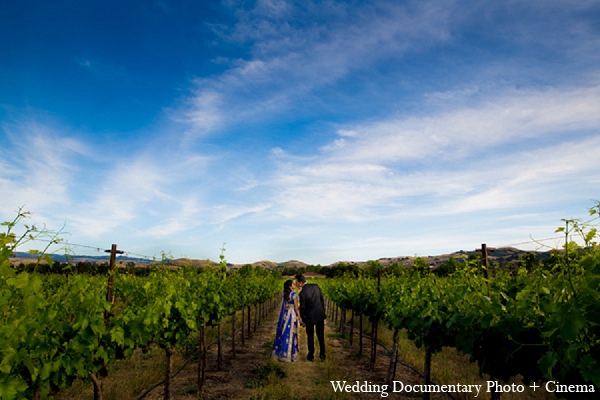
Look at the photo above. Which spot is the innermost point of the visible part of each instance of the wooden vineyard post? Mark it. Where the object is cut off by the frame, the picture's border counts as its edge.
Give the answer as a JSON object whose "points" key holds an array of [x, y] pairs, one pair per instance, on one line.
{"points": [[427, 372], [335, 308], [484, 254], [242, 330], [219, 347], [484, 263], [375, 327], [360, 337], [97, 377], [332, 308], [201, 359], [168, 373], [255, 316], [249, 323], [111, 278], [394, 359], [374, 330], [351, 327], [233, 335]]}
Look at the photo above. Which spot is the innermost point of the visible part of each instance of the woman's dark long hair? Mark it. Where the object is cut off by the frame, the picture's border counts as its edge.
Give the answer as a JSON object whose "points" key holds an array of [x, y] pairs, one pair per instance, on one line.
{"points": [[287, 289]]}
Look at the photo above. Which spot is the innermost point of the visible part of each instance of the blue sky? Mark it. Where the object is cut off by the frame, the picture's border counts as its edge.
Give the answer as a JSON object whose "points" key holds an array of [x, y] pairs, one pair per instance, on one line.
{"points": [[314, 131]]}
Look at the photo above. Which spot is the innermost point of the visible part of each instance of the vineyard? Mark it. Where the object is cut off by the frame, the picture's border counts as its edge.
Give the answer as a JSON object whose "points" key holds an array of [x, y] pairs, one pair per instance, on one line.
{"points": [[541, 323], [59, 328], [541, 326], [55, 331]]}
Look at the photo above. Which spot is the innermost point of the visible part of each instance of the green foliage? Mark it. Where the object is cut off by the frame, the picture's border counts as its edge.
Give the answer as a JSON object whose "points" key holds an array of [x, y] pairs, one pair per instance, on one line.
{"points": [[536, 323], [448, 267], [341, 269], [55, 329], [372, 269], [529, 262], [420, 266]]}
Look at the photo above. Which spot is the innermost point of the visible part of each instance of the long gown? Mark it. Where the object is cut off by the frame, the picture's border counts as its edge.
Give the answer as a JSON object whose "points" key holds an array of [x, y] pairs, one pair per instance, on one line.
{"points": [[285, 347]]}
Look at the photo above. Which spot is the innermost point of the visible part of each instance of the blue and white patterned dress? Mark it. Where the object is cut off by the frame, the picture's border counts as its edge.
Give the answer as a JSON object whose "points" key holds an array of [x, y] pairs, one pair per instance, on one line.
{"points": [[285, 347]]}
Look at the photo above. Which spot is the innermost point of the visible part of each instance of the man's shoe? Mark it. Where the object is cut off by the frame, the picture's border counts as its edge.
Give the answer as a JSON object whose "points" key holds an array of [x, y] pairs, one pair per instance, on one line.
{"points": [[311, 359], [322, 358]]}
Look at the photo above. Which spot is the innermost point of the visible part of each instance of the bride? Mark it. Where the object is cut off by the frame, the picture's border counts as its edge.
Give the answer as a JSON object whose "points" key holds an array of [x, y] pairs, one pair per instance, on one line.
{"points": [[285, 347]]}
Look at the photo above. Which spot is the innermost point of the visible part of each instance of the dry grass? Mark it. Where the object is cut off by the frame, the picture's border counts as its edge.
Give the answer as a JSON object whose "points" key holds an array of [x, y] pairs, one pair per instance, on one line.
{"points": [[306, 380], [448, 366], [128, 379]]}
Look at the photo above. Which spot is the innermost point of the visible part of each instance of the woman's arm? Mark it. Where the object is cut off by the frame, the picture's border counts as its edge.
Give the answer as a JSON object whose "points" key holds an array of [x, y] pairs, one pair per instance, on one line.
{"points": [[297, 309]]}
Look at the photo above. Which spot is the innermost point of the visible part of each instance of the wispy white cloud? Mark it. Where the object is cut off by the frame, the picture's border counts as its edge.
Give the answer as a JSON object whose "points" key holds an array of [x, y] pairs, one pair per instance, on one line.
{"points": [[507, 118], [536, 144], [288, 63], [127, 189], [38, 167], [148, 189], [64, 179], [183, 218], [205, 113]]}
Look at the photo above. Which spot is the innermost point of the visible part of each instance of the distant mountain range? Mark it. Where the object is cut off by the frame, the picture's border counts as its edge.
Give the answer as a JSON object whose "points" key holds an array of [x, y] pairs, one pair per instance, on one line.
{"points": [[503, 255], [97, 259]]}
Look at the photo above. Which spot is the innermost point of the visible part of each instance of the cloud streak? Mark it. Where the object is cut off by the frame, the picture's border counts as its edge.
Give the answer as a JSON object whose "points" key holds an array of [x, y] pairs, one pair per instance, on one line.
{"points": [[289, 64], [513, 118], [38, 165], [520, 148]]}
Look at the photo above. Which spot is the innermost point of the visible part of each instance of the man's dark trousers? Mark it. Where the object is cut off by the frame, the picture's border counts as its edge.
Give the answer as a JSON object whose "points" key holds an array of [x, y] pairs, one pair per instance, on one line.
{"points": [[310, 335], [312, 312]]}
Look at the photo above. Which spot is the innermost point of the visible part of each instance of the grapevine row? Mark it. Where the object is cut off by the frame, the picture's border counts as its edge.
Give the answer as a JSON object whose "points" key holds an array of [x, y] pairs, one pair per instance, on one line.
{"points": [[541, 325], [55, 330]]}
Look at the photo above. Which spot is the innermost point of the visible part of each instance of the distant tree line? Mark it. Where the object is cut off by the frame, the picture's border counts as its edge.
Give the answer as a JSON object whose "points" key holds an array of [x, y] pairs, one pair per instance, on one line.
{"points": [[85, 267], [529, 261]]}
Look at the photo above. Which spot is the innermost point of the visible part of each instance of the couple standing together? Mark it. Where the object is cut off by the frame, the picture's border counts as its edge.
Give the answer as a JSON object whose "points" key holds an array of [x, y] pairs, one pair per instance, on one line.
{"points": [[306, 309]]}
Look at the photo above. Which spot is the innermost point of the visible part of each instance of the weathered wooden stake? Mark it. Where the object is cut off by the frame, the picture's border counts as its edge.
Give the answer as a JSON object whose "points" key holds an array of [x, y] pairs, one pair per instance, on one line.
{"points": [[233, 335], [111, 278], [484, 263], [394, 359]]}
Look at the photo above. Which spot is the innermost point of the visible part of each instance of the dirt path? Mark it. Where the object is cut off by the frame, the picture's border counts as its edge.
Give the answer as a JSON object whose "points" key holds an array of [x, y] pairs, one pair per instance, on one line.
{"points": [[303, 380], [234, 379]]}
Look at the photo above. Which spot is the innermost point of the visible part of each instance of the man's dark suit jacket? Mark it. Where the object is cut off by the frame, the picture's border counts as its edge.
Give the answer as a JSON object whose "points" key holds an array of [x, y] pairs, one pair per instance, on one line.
{"points": [[312, 305]]}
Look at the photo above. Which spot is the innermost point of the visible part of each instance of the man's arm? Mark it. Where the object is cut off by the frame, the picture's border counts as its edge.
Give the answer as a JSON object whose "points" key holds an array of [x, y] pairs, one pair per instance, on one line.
{"points": [[302, 304], [322, 299]]}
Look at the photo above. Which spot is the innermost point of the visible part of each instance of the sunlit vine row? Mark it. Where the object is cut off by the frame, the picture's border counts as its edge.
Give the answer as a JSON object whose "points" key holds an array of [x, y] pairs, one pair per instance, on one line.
{"points": [[55, 330], [541, 324]]}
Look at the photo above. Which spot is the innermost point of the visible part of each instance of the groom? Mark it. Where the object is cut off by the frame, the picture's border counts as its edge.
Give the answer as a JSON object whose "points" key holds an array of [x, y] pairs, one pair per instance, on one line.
{"points": [[312, 312]]}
